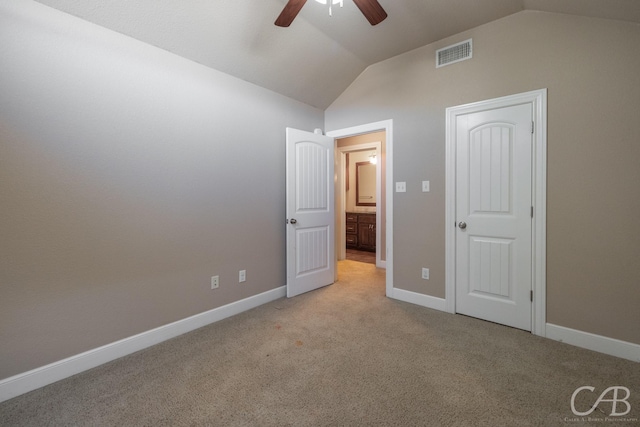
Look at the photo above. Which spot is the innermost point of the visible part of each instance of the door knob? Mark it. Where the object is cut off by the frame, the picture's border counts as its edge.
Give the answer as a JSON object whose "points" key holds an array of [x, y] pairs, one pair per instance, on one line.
{"points": [[294, 221], [462, 225]]}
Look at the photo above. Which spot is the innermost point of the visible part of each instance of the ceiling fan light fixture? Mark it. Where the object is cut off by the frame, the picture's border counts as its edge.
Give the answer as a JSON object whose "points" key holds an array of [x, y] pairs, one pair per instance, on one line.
{"points": [[341, 2], [331, 3], [371, 9]]}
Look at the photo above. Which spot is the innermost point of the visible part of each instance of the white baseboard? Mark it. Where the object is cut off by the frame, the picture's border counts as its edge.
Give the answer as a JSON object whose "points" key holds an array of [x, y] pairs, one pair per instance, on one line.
{"points": [[419, 299], [40, 377], [599, 343]]}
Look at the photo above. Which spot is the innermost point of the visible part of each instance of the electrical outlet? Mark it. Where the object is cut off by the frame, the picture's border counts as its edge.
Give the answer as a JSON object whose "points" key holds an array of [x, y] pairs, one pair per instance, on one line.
{"points": [[425, 273], [215, 282], [401, 187], [242, 276]]}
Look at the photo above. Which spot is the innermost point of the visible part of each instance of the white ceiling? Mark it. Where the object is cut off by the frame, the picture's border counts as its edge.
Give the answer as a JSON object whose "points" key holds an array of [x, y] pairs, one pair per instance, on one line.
{"points": [[317, 57]]}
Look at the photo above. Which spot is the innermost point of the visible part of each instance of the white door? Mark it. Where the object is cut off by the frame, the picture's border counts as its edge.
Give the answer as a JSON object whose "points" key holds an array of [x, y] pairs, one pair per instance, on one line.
{"points": [[310, 211], [493, 215]]}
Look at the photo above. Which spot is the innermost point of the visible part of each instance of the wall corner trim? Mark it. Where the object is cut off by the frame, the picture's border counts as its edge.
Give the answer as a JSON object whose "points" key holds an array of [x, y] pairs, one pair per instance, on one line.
{"points": [[419, 299], [45, 375], [599, 343]]}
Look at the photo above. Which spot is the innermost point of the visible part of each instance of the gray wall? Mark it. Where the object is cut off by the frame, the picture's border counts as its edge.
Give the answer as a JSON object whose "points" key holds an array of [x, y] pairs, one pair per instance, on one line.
{"points": [[128, 177], [590, 68]]}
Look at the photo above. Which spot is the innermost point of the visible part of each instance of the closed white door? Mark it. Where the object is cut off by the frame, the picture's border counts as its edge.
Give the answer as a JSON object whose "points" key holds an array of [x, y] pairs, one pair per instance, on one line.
{"points": [[310, 211], [494, 215]]}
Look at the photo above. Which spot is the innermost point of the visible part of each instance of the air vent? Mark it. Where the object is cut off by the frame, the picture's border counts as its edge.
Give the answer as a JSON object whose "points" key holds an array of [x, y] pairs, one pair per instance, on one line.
{"points": [[454, 53]]}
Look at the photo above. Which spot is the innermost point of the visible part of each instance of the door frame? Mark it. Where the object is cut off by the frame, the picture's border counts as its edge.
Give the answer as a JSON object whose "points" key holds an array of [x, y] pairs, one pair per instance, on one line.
{"points": [[538, 99], [387, 127], [341, 238]]}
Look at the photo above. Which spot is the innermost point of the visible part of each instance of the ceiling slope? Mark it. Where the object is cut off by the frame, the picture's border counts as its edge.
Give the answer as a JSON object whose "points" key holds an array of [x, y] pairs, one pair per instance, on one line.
{"points": [[317, 57]]}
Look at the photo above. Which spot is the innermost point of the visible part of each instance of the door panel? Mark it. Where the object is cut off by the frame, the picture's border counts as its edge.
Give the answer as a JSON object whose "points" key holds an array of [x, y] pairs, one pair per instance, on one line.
{"points": [[493, 200], [489, 269], [310, 211], [312, 244], [490, 164]]}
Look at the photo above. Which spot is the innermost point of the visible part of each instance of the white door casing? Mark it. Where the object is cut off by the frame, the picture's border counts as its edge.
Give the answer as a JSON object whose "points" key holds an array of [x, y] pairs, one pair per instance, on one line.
{"points": [[493, 215], [461, 244], [310, 211]]}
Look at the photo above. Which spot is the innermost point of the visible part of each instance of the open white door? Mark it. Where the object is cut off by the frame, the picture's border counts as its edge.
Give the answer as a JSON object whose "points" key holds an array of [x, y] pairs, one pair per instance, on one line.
{"points": [[310, 211]]}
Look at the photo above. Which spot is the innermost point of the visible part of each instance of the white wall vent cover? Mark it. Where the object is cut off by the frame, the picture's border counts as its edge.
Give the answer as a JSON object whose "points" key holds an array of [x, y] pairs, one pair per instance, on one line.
{"points": [[454, 53]]}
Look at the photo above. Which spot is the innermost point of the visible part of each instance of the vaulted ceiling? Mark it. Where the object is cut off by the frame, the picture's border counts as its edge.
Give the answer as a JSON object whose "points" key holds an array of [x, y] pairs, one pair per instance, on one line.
{"points": [[317, 57]]}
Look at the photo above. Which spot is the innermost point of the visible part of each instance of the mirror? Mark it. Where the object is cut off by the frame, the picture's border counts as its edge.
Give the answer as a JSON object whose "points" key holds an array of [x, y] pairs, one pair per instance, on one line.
{"points": [[365, 184]]}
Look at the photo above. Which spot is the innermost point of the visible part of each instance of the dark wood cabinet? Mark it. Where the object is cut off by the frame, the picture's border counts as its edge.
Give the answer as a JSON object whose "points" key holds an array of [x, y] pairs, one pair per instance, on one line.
{"points": [[352, 230], [361, 231], [367, 232]]}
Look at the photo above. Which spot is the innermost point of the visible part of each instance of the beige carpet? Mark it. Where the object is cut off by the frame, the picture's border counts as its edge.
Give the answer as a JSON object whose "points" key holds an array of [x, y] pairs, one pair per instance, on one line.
{"points": [[360, 256], [344, 355]]}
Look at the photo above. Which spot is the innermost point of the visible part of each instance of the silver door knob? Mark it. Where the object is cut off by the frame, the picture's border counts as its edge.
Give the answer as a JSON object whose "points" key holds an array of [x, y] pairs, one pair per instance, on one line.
{"points": [[294, 221], [462, 225]]}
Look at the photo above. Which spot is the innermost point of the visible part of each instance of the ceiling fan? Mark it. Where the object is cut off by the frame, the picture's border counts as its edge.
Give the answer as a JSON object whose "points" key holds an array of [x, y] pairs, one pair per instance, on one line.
{"points": [[371, 9]]}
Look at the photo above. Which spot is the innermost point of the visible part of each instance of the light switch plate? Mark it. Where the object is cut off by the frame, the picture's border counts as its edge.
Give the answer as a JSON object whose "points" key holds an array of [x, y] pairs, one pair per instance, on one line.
{"points": [[401, 187], [425, 186]]}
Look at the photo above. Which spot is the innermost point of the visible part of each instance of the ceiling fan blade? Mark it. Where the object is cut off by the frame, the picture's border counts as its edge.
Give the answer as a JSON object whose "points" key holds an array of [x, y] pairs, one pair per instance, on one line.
{"points": [[372, 10], [289, 12]]}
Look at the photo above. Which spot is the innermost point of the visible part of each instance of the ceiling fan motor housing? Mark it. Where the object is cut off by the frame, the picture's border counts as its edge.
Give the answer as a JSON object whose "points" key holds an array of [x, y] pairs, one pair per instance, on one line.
{"points": [[371, 9]]}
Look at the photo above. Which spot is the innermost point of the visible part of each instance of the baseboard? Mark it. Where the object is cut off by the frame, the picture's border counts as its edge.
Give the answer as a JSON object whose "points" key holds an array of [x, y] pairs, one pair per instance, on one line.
{"points": [[419, 299], [40, 377], [599, 343]]}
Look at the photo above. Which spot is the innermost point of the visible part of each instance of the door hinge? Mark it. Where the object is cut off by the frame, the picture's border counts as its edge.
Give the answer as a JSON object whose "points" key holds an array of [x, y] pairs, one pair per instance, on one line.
{"points": [[531, 295], [531, 211], [533, 126]]}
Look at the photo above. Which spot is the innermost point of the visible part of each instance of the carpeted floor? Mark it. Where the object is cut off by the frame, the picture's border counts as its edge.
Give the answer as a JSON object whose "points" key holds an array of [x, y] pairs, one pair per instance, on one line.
{"points": [[344, 355], [360, 256]]}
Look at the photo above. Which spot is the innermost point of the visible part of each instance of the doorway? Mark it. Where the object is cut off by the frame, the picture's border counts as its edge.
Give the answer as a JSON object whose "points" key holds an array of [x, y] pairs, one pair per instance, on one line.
{"points": [[359, 197], [384, 206]]}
